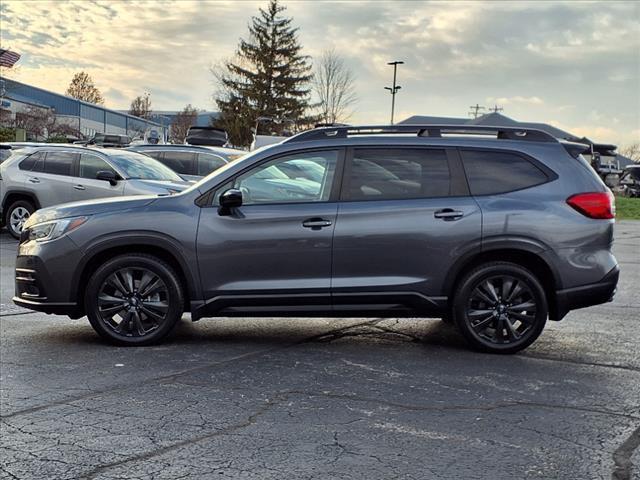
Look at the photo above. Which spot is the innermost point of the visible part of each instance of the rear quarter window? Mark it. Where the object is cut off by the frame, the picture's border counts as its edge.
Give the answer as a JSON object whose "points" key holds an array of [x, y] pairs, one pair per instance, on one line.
{"points": [[30, 161], [491, 172]]}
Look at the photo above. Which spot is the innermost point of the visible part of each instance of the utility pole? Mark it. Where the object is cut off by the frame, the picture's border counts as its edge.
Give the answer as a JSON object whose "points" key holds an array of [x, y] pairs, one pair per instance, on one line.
{"points": [[394, 89], [496, 109], [475, 109]]}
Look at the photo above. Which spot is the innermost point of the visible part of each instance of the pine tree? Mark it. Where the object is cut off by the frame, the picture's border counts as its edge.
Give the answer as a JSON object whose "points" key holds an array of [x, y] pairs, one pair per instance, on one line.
{"points": [[269, 77]]}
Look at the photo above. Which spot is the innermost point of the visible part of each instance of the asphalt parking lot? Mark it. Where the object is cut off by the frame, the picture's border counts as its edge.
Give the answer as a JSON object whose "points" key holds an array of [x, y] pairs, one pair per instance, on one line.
{"points": [[315, 398]]}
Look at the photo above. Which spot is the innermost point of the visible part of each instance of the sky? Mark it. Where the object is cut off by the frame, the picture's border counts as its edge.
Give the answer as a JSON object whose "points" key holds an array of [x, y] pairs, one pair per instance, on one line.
{"points": [[575, 65]]}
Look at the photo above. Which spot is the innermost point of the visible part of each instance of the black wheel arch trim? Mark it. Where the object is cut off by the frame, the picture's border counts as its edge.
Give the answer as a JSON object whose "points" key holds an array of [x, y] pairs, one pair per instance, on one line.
{"points": [[497, 244], [129, 239], [23, 193]]}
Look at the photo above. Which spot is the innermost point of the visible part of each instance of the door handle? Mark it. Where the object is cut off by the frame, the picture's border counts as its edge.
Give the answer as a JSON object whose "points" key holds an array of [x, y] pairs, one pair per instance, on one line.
{"points": [[34, 180], [448, 214], [79, 187], [316, 223]]}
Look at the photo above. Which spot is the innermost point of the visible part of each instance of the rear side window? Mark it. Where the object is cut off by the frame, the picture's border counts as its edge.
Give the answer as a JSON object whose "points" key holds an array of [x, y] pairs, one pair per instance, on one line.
{"points": [[29, 162], [58, 163], [180, 162], [393, 173], [207, 163], [491, 172]]}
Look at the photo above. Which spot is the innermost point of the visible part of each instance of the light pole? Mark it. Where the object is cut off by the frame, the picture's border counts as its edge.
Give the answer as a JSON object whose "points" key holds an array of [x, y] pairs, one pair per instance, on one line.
{"points": [[394, 89]]}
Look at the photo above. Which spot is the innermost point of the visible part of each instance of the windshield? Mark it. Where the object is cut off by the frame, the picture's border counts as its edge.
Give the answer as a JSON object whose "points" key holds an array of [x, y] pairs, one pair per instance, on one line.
{"points": [[136, 165]]}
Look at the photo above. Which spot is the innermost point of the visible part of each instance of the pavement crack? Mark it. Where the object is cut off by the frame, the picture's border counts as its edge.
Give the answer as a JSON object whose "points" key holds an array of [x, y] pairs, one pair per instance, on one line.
{"points": [[623, 465], [576, 362], [224, 431]]}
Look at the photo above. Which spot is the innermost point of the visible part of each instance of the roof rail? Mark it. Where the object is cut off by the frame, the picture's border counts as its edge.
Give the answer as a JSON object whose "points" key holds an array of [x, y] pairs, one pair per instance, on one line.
{"points": [[502, 133]]}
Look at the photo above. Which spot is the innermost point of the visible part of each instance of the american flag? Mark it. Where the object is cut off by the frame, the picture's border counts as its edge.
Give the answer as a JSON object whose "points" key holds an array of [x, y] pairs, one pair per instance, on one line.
{"points": [[8, 58]]}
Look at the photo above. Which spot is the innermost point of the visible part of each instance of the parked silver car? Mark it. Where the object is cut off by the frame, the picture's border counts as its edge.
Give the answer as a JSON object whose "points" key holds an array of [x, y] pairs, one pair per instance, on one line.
{"points": [[38, 177]]}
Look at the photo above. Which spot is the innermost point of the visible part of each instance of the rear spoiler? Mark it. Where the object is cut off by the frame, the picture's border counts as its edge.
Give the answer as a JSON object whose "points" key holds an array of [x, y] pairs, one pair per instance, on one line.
{"points": [[575, 149]]}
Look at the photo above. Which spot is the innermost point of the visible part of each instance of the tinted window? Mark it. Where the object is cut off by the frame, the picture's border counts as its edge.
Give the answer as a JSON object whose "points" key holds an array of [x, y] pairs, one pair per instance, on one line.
{"points": [[156, 155], [268, 183], [181, 162], [207, 163], [90, 165], [388, 174], [58, 163], [30, 161], [498, 172]]}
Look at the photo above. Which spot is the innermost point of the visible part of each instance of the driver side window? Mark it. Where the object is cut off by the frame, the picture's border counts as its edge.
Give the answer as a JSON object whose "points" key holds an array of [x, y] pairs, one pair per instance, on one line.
{"points": [[296, 178]]}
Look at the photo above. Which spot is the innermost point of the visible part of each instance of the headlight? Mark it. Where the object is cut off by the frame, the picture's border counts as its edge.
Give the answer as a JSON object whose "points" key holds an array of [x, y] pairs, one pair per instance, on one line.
{"points": [[46, 231]]}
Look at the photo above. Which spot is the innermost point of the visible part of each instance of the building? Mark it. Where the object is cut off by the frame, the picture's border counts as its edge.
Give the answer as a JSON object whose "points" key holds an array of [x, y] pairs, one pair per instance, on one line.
{"points": [[19, 99]]}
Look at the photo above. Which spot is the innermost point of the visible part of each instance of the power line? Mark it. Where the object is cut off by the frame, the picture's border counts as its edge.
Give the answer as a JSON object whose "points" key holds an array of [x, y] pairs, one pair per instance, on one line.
{"points": [[475, 109]]}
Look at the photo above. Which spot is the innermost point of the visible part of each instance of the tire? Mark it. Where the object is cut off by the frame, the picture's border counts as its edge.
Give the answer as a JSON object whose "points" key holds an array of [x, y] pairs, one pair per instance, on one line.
{"points": [[148, 292], [484, 303], [18, 213]]}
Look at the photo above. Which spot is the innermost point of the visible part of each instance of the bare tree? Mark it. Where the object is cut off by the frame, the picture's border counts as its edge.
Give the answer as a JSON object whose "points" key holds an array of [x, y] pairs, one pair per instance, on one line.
{"points": [[36, 121], [42, 122], [333, 83], [83, 88], [631, 151], [181, 123], [141, 106]]}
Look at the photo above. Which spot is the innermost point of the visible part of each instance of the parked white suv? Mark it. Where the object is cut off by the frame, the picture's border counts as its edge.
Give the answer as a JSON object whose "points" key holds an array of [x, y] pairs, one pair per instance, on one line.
{"points": [[38, 177]]}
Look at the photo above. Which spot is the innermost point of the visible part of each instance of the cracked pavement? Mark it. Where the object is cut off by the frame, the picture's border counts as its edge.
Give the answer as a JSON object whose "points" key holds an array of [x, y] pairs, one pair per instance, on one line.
{"points": [[322, 398]]}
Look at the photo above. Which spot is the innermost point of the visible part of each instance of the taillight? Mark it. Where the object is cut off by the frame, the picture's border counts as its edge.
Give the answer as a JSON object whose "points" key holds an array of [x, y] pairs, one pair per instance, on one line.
{"points": [[599, 205]]}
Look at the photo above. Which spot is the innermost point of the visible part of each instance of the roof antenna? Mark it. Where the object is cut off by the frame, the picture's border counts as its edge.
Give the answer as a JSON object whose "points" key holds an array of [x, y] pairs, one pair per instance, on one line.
{"points": [[496, 109]]}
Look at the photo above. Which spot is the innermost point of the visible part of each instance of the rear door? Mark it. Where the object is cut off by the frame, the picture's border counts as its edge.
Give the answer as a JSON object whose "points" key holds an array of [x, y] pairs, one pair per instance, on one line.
{"points": [[404, 217], [86, 186], [51, 177]]}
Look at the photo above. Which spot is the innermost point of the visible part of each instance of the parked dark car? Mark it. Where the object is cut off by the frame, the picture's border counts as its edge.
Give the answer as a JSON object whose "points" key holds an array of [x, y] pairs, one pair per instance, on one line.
{"points": [[629, 184], [189, 161], [106, 140], [493, 234]]}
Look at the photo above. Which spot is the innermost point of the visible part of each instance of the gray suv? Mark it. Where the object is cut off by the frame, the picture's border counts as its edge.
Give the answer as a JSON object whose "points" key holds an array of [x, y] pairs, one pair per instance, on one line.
{"points": [[493, 234], [38, 177]]}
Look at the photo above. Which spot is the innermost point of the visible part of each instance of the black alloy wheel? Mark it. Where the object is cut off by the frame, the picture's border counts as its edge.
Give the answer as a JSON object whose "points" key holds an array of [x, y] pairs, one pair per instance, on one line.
{"points": [[134, 299], [500, 307]]}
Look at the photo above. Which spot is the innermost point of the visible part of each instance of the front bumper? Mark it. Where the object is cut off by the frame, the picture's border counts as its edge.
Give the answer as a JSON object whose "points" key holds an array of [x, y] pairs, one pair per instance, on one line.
{"points": [[586, 295], [43, 277]]}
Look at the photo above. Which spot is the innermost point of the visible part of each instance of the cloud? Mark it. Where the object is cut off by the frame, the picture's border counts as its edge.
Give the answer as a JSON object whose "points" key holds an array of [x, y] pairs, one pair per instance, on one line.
{"points": [[536, 59], [514, 100]]}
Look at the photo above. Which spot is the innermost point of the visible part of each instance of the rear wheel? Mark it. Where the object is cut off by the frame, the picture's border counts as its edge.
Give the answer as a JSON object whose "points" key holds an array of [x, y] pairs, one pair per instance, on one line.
{"points": [[134, 299], [500, 307], [17, 214]]}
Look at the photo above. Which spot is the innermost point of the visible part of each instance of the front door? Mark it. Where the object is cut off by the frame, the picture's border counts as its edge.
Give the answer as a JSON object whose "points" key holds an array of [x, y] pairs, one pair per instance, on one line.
{"points": [[86, 186], [275, 250], [404, 217]]}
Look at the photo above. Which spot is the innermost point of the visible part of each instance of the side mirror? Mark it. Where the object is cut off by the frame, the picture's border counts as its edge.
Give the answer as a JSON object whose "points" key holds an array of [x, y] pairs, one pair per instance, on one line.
{"points": [[108, 176], [229, 199]]}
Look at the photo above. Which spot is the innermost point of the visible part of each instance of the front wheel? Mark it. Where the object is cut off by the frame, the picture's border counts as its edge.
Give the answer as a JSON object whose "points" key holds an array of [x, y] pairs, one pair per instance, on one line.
{"points": [[134, 299], [17, 214], [500, 307]]}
